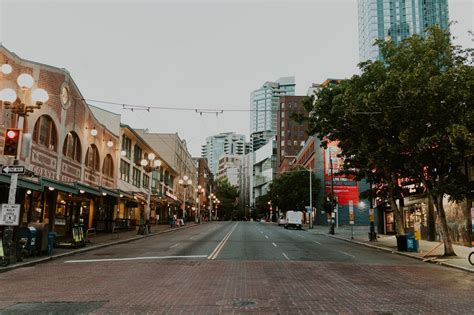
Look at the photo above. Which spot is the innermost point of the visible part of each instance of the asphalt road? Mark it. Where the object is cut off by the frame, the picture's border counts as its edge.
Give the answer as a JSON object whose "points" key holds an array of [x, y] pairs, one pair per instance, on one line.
{"points": [[236, 267]]}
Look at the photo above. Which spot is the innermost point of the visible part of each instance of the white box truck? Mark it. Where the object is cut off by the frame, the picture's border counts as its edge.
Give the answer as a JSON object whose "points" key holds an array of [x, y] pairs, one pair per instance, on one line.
{"points": [[294, 219]]}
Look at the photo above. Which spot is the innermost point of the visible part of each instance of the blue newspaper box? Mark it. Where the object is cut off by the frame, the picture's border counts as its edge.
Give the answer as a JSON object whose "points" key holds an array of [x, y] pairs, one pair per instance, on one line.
{"points": [[412, 243], [51, 236]]}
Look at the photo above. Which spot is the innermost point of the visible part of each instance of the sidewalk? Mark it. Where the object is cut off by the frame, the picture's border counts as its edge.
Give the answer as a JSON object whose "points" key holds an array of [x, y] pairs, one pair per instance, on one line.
{"points": [[101, 240], [427, 251]]}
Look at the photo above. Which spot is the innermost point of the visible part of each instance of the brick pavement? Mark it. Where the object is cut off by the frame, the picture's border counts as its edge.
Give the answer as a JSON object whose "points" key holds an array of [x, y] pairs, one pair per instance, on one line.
{"points": [[226, 287]]}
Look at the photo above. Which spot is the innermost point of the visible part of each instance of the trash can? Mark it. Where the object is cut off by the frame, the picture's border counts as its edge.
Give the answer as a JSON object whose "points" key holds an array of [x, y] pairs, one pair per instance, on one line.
{"points": [[402, 243], [412, 243], [51, 236]]}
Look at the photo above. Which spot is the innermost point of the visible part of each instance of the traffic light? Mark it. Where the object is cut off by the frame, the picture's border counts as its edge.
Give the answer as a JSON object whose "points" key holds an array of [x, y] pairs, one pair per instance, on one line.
{"points": [[12, 139]]}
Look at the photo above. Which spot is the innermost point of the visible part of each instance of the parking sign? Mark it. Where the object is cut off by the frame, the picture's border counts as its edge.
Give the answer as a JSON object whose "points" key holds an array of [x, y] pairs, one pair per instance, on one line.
{"points": [[10, 214]]}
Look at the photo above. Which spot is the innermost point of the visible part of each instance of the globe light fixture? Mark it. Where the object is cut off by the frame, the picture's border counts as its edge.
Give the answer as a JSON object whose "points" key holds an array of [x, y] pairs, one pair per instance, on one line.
{"points": [[110, 143], [157, 163], [94, 132], [25, 81], [51, 188], [28, 192], [143, 162], [6, 68], [151, 156], [104, 194], [81, 191], [8, 96], [39, 96]]}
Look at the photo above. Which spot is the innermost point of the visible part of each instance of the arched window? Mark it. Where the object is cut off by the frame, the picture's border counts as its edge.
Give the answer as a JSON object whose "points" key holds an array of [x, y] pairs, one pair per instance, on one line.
{"points": [[92, 157], [72, 147], [108, 167], [45, 133]]}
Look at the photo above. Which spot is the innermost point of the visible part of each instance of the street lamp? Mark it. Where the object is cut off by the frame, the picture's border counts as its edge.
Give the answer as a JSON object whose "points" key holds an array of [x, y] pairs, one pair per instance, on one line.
{"points": [[149, 166], [18, 105], [199, 190], [185, 182]]}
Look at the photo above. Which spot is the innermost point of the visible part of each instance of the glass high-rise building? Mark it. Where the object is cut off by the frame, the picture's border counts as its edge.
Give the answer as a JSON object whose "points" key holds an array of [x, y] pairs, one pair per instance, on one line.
{"points": [[397, 20], [264, 104], [224, 143]]}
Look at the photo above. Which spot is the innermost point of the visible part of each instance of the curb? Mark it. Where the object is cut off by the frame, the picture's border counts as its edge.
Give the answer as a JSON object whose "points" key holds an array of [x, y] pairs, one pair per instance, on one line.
{"points": [[86, 249], [396, 252]]}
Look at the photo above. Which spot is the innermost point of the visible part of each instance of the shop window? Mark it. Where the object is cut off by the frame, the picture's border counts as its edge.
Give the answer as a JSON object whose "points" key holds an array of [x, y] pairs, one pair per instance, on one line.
{"points": [[72, 147], [108, 166], [124, 171], [45, 133], [92, 157]]}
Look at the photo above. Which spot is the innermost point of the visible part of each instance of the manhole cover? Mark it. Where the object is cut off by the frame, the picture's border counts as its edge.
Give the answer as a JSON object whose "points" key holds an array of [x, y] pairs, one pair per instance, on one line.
{"points": [[53, 308], [244, 303]]}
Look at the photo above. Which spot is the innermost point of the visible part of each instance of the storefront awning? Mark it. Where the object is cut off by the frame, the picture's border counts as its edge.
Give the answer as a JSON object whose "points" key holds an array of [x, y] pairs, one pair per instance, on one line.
{"points": [[58, 185], [24, 183], [125, 194], [88, 189], [109, 192]]}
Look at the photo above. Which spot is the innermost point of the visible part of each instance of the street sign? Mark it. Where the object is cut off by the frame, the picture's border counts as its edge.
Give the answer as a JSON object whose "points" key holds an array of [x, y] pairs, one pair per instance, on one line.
{"points": [[10, 214], [13, 169]]}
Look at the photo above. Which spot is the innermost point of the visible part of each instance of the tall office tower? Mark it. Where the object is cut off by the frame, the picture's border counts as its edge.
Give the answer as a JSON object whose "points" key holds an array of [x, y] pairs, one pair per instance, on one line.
{"points": [[397, 20], [264, 104], [223, 143]]}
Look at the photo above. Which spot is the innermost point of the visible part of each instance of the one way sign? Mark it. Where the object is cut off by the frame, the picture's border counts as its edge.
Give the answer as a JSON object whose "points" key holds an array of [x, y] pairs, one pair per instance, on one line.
{"points": [[13, 169]]}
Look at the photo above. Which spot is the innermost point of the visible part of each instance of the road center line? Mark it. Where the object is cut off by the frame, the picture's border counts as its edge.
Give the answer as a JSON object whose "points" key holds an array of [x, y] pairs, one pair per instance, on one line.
{"points": [[174, 245], [274, 244], [266, 237], [286, 256], [317, 242], [346, 254], [219, 246], [131, 258]]}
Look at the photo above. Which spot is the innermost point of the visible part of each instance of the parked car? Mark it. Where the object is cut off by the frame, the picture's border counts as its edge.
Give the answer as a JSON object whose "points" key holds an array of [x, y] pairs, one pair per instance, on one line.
{"points": [[281, 221]]}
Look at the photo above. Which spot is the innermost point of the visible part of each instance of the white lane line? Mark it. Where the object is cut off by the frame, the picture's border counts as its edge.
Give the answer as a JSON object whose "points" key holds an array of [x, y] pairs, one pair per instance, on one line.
{"points": [[317, 242], [192, 237], [346, 254], [286, 256], [221, 244], [132, 258], [261, 232], [274, 244], [174, 245], [266, 237]]}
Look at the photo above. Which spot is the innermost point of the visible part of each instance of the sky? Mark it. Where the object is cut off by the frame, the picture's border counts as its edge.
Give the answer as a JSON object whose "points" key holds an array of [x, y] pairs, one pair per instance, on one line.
{"points": [[192, 54]]}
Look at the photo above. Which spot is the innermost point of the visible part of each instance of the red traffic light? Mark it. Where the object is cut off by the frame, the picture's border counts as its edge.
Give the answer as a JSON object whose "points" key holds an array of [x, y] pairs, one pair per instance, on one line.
{"points": [[12, 137], [12, 133]]}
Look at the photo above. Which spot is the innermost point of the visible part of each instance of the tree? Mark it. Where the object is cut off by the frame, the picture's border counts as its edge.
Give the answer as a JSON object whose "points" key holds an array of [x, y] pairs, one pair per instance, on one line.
{"points": [[228, 197], [406, 118], [290, 191]]}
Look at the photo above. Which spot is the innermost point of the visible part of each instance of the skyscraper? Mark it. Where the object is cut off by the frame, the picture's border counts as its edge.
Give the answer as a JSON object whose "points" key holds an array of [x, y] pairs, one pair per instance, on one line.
{"points": [[397, 20], [265, 101], [220, 144]]}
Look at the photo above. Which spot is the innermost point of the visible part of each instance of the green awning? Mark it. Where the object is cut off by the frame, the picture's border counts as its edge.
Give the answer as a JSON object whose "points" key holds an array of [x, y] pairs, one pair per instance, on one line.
{"points": [[125, 194], [23, 183], [109, 192], [58, 185], [88, 189]]}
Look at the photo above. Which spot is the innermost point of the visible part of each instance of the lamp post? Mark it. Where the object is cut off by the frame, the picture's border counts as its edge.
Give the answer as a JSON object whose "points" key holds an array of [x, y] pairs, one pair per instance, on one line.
{"points": [[185, 182], [199, 191], [331, 231], [211, 196], [17, 103], [149, 165]]}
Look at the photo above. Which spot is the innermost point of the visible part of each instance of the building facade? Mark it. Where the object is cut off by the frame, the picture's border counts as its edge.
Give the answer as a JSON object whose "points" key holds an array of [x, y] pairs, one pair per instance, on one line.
{"points": [[223, 143], [291, 135], [229, 167], [397, 20]]}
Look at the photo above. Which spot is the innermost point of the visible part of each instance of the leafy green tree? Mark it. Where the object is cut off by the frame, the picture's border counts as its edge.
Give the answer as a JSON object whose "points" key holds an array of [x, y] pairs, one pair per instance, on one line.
{"points": [[228, 197], [408, 118], [290, 190]]}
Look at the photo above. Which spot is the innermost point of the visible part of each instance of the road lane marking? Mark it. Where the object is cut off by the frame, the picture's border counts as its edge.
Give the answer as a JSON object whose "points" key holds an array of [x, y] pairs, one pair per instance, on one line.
{"points": [[219, 246], [174, 245], [274, 244], [132, 258], [346, 254], [317, 242], [266, 237], [286, 256]]}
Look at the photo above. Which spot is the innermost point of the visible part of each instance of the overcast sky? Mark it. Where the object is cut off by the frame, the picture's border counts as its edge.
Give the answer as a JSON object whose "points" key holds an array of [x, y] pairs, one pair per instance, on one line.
{"points": [[192, 54]]}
